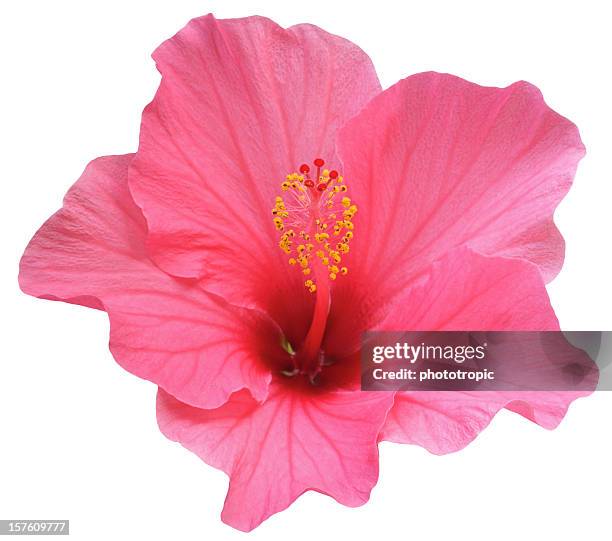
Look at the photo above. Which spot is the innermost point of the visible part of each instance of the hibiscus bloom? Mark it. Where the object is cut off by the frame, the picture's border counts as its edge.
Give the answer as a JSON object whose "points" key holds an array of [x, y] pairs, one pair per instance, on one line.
{"points": [[279, 204]]}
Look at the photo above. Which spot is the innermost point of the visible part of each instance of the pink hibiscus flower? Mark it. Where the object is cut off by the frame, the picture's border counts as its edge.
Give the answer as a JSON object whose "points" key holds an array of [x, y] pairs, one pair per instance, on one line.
{"points": [[279, 204]]}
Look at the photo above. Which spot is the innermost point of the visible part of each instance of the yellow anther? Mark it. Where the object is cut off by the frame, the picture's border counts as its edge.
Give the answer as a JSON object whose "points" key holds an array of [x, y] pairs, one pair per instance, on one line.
{"points": [[310, 209]]}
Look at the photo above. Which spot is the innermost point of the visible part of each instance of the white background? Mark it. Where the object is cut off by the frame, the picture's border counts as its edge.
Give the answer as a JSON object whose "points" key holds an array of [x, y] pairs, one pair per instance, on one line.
{"points": [[78, 437]]}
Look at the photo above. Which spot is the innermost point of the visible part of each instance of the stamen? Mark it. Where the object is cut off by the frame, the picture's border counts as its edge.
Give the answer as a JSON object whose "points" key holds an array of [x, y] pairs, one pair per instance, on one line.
{"points": [[315, 220]]}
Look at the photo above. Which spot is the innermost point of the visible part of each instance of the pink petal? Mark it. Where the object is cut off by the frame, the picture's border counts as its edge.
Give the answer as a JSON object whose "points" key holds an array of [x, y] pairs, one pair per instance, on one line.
{"points": [[446, 421], [437, 162], [242, 103], [273, 452], [170, 331], [426, 307], [467, 291]]}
